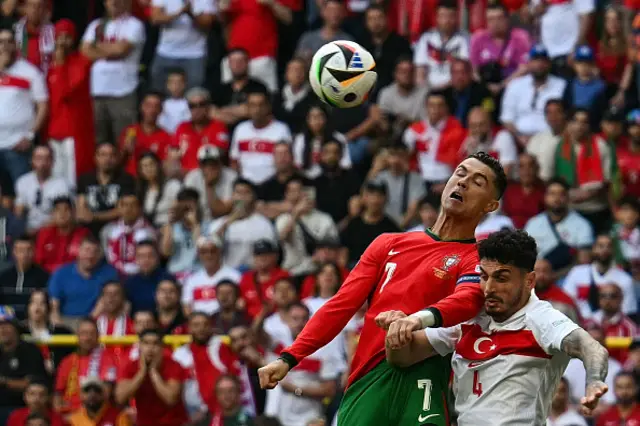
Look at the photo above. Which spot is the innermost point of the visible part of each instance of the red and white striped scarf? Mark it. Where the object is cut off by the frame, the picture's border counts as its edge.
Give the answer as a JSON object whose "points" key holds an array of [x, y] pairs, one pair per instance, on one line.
{"points": [[46, 42], [119, 326]]}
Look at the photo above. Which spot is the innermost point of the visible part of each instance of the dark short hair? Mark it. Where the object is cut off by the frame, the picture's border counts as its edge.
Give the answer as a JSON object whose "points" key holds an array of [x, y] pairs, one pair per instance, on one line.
{"points": [[510, 247], [376, 7], [5, 26], [90, 239], [448, 4], [24, 238], [37, 416], [298, 305], [62, 199], [155, 93], [558, 181], [576, 111], [557, 102], [128, 193], [100, 144], [629, 201], [243, 181], [500, 176], [230, 377], [176, 70], [497, 6], [196, 314], [188, 194], [177, 287], [39, 381], [260, 91], [88, 320], [151, 332], [147, 243], [114, 283], [239, 50], [229, 283]]}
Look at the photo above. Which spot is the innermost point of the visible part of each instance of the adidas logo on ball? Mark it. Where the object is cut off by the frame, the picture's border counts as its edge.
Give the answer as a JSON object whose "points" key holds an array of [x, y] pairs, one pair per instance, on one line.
{"points": [[356, 62]]}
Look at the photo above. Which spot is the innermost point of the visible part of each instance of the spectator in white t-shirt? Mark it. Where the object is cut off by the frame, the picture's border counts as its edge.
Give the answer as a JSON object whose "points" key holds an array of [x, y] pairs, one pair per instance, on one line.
{"points": [[302, 227], [241, 228], [435, 48], [583, 281], [213, 181], [563, 25], [183, 39], [254, 140], [561, 414], [525, 97], [36, 190], [561, 234], [115, 43], [199, 290], [298, 400], [23, 106], [175, 108], [275, 325], [493, 222]]}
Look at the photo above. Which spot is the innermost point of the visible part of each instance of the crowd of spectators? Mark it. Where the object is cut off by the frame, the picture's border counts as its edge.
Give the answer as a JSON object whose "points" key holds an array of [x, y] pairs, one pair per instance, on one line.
{"points": [[165, 169]]}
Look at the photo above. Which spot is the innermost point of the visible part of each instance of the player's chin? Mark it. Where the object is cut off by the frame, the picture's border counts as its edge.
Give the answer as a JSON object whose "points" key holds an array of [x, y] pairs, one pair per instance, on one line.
{"points": [[453, 207]]}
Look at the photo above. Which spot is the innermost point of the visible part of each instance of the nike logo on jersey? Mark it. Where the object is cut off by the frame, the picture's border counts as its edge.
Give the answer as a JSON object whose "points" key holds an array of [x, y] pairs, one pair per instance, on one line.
{"points": [[422, 418], [391, 252]]}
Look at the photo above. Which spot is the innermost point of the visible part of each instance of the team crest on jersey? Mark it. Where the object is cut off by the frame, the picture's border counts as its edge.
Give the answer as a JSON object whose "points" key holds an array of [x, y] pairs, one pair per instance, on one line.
{"points": [[448, 262]]}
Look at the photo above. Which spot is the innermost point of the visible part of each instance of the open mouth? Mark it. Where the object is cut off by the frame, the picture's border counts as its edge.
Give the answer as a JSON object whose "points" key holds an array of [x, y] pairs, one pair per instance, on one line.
{"points": [[456, 196]]}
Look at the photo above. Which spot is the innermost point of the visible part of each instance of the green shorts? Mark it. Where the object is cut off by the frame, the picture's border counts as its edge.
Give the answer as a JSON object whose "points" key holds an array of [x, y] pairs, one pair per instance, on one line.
{"points": [[393, 396]]}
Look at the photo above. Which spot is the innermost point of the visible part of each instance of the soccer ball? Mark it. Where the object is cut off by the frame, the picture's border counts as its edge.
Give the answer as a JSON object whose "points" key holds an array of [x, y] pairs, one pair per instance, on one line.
{"points": [[342, 74]]}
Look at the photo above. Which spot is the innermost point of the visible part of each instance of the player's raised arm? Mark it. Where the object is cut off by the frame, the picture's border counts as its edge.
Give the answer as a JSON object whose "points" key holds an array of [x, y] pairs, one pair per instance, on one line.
{"points": [[579, 344], [333, 316]]}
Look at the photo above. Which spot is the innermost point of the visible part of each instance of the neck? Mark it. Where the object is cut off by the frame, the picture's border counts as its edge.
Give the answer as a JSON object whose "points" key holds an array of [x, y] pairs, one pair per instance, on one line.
{"points": [[404, 90], [263, 273], [372, 216], [284, 175], [38, 323], [228, 412], [557, 217], [21, 267], [326, 294], [228, 312], [84, 271], [38, 409], [557, 130], [65, 229], [212, 269], [261, 123], [500, 35], [445, 35], [539, 81], [380, 37], [116, 14], [297, 88], [451, 228], [104, 176], [42, 176], [10, 346], [33, 24], [625, 408], [167, 313], [558, 411], [93, 413], [149, 126], [601, 267], [201, 124], [328, 31], [608, 315]]}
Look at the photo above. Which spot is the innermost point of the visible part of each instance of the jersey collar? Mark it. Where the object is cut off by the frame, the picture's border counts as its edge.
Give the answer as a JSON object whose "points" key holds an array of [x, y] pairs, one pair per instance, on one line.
{"points": [[437, 238]]}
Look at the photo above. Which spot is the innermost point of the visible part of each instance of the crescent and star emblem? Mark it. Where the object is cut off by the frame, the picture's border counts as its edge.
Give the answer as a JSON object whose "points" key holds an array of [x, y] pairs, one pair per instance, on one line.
{"points": [[476, 345]]}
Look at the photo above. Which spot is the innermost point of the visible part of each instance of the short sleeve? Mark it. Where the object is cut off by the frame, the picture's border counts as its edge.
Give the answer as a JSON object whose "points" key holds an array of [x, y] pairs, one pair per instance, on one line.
{"points": [[409, 139], [21, 193], [174, 371], [506, 148], [187, 293], [135, 34], [234, 152], [463, 52], [444, 340], [584, 234], [39, 91], [549, 327], [90, 33], [508, 111], [584, 6], [204, 6], [469, 272], [420, 58]]}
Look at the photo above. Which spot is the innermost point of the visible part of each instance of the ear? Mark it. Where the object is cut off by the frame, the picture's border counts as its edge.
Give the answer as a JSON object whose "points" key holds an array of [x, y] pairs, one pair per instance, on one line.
{"points": [[530, 280], [492, 206]]}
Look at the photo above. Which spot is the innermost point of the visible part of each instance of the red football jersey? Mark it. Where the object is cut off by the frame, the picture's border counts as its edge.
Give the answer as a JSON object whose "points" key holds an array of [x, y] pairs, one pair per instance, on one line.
{"points": [[157, 142], [407, 272], [189, 140], [629, 163], [612, 417]]}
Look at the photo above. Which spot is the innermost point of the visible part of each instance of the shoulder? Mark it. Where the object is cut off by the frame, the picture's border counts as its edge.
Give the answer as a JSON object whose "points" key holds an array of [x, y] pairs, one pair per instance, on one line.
{"points": [[25, 181], [133, 23], [479, 36], [536, 221], [520, 82], [25, 69], [228, 273], [557, 82], [520, 34], [575, 219]]}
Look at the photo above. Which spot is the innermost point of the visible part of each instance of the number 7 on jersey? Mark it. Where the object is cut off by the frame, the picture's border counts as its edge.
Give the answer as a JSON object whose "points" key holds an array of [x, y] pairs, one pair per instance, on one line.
{"points": [[389, 268]]}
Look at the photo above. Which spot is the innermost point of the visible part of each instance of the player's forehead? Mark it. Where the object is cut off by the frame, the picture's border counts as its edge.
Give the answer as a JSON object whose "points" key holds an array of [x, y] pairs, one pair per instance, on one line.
{"points": [[475, 166], [494, 267]]}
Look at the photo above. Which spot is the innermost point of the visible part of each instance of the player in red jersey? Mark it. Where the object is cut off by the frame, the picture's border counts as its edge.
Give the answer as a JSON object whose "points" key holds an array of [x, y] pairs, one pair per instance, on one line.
{"points": [[408, 272]]}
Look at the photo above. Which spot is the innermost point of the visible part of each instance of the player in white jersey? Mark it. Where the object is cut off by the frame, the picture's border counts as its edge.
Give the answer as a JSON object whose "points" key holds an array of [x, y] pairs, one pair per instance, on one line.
{"points": [[507, 362]]}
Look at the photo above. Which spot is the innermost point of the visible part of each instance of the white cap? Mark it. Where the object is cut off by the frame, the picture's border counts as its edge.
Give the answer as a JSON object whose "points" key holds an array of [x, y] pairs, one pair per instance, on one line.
{"points": [[209, 240], [90, 380], [208, 152]]}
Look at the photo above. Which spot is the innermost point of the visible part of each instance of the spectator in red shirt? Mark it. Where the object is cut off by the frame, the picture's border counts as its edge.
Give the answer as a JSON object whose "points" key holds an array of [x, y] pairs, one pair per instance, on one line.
{"points": [[626, 412], [59, 243], [37, 399], [70, 131], [253, 25], [156, 382], [327, 250], [629, 156], [145, 135], [612, 54], [90, 360], [547, 289], [611, 319], [201, 130], [256, 285], [35, 35], [524, 199]]}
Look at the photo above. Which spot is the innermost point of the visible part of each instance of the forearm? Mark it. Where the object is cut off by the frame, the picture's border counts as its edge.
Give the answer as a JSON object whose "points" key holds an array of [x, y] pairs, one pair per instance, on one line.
{"points": [[579, 344], [166, 242], [281, 13], [585, 26], [464, 304], [287, 231], [126, 389], [107, 216], [160, 17], [416, 351], [165, 390], [16, 385], [42, 111], [321, 391], [117, 50], [92, 52], [204, 21], [216, 205]]}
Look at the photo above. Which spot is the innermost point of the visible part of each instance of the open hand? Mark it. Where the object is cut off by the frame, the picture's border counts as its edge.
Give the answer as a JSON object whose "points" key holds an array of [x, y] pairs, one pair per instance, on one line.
{"points": [[595, 390]]}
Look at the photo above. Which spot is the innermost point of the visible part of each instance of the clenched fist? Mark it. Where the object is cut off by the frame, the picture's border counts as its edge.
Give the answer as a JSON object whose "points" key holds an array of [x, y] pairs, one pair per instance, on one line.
{"points": [[272, 373]]}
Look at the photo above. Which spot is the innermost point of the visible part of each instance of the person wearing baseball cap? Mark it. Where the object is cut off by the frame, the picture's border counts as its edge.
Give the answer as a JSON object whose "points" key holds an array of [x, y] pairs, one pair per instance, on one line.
{"points": [[256, 285], [525, 98], [96, 408], [70, 126], [213, 181], [586, 90], [18, 361]]}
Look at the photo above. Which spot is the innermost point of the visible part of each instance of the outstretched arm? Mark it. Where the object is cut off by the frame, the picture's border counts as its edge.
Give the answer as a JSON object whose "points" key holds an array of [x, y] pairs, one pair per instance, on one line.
{"points": [[333, 316], [579, 344]]}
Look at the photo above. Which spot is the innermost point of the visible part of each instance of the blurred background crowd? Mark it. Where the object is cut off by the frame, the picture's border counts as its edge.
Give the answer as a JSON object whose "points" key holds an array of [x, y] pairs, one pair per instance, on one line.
{"points": [[165, 170]]}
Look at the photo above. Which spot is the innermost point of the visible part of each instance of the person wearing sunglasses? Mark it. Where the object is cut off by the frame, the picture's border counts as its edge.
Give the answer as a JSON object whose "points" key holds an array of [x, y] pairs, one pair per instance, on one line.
{"points": [[96, 409]]}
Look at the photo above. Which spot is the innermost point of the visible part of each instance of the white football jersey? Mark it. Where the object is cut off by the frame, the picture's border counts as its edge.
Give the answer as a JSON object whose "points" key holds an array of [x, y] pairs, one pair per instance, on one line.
{"points": [[506, 373]]}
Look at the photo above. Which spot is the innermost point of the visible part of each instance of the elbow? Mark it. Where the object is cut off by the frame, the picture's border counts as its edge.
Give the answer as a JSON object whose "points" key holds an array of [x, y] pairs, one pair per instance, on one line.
{"points": [[121, 396]]}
